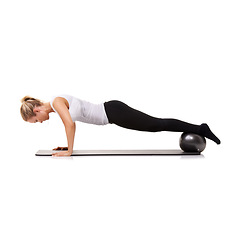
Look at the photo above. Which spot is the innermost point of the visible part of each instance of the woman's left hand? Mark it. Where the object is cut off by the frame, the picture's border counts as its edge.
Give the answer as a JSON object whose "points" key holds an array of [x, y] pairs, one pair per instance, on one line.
{"points": [[62, 154]]}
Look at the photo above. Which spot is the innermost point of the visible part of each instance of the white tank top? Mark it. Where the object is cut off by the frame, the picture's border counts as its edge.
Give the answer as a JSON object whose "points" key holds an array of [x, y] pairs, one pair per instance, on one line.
{"points": [[84, 111]]}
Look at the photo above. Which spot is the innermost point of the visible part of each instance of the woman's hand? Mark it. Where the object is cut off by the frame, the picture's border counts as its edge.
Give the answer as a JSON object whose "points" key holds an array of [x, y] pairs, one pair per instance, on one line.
{"points": [[62, 154], [61, 148]]}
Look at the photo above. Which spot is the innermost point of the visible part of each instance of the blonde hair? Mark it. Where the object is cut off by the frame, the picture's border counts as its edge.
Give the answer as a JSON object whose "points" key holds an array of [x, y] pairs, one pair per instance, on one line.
{"points": [[28, 104]]}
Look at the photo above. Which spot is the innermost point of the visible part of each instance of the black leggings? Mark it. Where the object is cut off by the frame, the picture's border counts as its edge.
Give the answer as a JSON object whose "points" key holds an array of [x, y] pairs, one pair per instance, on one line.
{"points": [[124, 116]]}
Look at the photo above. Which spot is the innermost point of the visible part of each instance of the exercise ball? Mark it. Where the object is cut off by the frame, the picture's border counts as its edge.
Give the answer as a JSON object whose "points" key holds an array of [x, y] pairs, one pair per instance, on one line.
{"points": [[191, 142]]}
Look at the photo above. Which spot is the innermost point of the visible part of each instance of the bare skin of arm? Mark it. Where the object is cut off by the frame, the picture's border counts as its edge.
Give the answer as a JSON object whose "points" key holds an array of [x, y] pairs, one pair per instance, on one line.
{"points": [[61, 106]]}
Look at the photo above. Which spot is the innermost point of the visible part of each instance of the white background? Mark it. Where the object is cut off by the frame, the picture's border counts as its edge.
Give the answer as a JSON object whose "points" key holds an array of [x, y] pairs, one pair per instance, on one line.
{"points": [[167, 58]]}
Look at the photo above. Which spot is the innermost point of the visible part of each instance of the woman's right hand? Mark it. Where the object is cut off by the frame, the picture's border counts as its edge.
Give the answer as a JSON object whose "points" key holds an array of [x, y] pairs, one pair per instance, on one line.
{"points": [[61, 148]]}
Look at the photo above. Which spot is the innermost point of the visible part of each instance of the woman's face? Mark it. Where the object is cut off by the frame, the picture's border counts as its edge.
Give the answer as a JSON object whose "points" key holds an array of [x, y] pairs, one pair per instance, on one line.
{"points": [[41, 116]]}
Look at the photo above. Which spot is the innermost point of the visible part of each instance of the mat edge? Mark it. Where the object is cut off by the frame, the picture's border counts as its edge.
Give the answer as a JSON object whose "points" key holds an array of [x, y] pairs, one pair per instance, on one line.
{"points": [[125, 154]]}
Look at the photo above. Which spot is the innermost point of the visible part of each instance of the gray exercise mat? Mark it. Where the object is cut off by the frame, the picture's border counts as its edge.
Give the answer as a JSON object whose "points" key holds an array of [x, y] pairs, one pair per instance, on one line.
{"points": [[119, 152]]}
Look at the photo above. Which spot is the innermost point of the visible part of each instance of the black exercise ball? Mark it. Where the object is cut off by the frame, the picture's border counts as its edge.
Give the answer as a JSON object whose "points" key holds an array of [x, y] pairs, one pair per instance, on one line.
{"points": [[191, 142]]}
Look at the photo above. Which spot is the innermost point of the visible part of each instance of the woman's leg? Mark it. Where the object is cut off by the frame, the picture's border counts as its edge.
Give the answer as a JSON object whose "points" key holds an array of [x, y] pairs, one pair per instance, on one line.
{"points": [[122, 115]]}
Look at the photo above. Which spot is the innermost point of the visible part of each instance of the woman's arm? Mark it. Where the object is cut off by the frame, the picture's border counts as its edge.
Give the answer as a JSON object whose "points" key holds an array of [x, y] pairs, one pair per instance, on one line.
{"points": [[61, 106]]}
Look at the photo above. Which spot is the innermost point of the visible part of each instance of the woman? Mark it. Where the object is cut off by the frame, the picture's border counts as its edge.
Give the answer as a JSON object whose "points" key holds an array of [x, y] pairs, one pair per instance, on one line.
{"points": [[71, 109]]}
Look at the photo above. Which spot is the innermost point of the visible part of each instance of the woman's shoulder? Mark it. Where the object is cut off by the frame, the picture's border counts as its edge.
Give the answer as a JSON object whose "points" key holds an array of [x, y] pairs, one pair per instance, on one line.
{"points": [[59, 100]]}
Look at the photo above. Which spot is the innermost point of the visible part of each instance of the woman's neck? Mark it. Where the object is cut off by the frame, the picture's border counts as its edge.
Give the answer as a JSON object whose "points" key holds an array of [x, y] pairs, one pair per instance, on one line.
{"points": [[47, 107]]}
